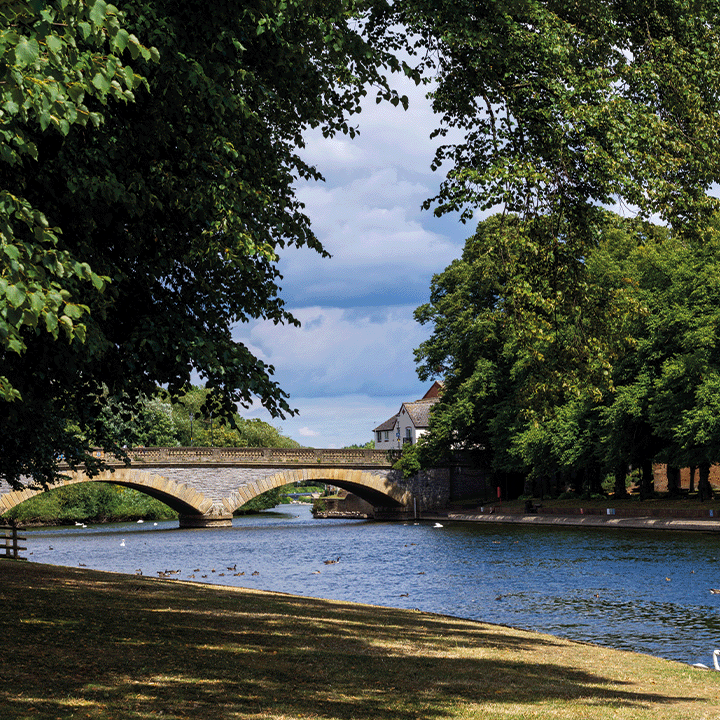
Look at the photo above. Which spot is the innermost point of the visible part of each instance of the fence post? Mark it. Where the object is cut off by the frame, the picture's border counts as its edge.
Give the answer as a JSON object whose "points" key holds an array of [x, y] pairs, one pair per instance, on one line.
{"points": [[12, 542]]}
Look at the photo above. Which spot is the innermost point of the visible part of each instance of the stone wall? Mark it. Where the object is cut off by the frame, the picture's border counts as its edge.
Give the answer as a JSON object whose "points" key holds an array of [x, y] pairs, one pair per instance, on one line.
{"points": [[430, 488]]}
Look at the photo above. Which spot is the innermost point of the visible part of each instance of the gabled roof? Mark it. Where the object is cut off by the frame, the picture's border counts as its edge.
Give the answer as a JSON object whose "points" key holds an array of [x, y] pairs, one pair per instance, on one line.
{"points": [[419, 411], [388, 424], [434, 391]]}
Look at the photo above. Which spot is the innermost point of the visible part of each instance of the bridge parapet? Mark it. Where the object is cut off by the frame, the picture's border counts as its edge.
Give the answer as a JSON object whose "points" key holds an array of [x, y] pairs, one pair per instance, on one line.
{"points": [[249, 455]]}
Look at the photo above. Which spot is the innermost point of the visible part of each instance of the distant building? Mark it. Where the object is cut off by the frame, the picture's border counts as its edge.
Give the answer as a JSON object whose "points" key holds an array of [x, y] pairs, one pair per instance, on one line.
{"points": [[410, 422]]}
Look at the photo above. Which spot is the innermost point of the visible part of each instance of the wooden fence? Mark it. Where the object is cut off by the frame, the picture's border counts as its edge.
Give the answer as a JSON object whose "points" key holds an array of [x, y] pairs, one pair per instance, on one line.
{"points": [[11, 548]]}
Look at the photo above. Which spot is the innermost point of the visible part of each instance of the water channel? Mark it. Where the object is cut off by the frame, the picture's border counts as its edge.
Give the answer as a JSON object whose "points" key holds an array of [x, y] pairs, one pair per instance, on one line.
{"points": [[639, 590]]}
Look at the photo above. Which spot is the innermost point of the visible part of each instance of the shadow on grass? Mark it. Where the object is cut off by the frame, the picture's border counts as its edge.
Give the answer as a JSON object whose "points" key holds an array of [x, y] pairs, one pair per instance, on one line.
{"points": [[80, 643]]}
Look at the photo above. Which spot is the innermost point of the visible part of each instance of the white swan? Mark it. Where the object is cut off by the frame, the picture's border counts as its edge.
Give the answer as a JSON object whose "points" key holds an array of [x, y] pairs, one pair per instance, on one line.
{"points": [[716, 662], [437, 525], [122, 544]]}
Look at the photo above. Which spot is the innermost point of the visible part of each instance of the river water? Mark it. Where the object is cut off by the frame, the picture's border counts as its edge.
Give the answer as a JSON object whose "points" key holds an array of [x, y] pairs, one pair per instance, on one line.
{"points": [[646, 591]]}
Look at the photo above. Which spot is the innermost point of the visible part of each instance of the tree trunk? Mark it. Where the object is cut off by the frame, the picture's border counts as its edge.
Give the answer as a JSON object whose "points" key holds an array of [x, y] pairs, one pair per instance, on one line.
{"points": [[593, 480], [529, 487], [620, 477], [545, 486], [646, 481], [673, 479], [704, 489], [692, 478], [558, 482]]}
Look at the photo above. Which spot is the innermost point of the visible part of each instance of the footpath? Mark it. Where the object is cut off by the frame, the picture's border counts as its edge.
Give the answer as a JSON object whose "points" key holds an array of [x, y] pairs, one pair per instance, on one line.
{"points": [[694, 519]]}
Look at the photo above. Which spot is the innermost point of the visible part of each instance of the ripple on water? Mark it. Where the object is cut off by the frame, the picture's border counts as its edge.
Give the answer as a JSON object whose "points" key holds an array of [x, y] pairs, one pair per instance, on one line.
{"points": [[643, 591]]}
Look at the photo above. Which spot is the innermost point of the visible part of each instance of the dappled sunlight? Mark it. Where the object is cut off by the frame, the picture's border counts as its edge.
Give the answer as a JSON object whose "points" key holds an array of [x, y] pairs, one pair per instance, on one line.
{"points": [[136, 647]]}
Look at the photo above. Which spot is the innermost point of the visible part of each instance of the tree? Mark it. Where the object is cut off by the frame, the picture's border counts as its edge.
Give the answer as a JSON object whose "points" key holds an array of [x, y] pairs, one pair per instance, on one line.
{"points": [[522, 339], [210, 428], [562, 106], [556, 109], [168, 217], [523, 390]]}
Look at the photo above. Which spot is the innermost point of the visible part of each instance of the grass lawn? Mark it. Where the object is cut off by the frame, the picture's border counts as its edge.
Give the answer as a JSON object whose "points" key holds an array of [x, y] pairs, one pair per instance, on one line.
{"points": [[84, 644]]}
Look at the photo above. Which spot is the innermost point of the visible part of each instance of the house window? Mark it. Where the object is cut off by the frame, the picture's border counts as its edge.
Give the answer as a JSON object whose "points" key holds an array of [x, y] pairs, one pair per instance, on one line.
{"points": [[408, 435], [379, 435], [387, 435]]}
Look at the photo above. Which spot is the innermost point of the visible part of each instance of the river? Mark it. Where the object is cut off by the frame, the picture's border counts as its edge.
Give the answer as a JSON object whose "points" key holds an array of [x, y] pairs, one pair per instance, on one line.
{"points": [[640, 590]]}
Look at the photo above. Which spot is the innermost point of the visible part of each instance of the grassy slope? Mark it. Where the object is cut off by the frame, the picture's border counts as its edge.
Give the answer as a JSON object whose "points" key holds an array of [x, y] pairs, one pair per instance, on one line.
{"points": [[86, 644]]}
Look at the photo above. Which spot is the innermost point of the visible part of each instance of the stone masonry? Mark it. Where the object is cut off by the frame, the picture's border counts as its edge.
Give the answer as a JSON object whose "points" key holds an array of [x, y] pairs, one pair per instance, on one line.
{"points": [[205, 485]]}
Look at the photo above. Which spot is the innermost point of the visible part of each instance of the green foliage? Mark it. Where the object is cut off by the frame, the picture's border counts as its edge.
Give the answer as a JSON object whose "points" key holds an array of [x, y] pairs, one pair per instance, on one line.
{"points": [[89, 502], [619, 373], [148, 422], [409, 461], [556, 109], [131, 247], [209, 428], [267, 500], [62, 63], [369, 445], [561, 106]]}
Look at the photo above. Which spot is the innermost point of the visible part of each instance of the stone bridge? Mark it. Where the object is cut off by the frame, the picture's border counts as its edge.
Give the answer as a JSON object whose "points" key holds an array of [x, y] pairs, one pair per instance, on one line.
{"points": [[205, 485]]}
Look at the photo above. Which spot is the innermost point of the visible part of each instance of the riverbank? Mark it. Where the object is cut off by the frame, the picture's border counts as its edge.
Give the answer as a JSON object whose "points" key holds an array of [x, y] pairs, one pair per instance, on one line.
{"points": [[659, 513], [105, 646], [599, 521]]}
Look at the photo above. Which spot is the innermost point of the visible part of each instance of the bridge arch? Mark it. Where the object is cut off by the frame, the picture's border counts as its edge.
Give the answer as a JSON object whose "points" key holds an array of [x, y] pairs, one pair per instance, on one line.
{"points": [[372, 487], [223, 488], [178, 496]]}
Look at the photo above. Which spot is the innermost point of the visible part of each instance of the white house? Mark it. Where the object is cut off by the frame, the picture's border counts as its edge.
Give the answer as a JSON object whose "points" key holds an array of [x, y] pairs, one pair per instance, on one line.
{"points": [[411, 421]]}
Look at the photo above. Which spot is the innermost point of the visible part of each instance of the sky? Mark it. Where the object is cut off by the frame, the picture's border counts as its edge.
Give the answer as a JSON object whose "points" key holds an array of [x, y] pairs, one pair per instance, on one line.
{"points": [[350, 365]]}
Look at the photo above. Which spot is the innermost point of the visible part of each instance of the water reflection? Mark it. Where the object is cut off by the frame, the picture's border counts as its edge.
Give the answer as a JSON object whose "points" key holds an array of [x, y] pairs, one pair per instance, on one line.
{"points": [[644, 591]]}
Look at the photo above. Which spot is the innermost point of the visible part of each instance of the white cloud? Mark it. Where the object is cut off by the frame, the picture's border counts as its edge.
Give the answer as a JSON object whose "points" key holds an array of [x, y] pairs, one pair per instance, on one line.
{"points": [[340, 420], [388, 136], [384, 250], [339, 351], [351, 365]]}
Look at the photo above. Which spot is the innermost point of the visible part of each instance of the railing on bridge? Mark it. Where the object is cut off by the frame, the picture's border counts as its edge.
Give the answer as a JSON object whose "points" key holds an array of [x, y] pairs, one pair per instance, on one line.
{"points": [[252, 455]]}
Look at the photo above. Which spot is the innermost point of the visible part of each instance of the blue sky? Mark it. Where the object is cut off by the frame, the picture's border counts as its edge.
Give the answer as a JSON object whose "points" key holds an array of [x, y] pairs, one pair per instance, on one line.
{"points": [[351, 364]]}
